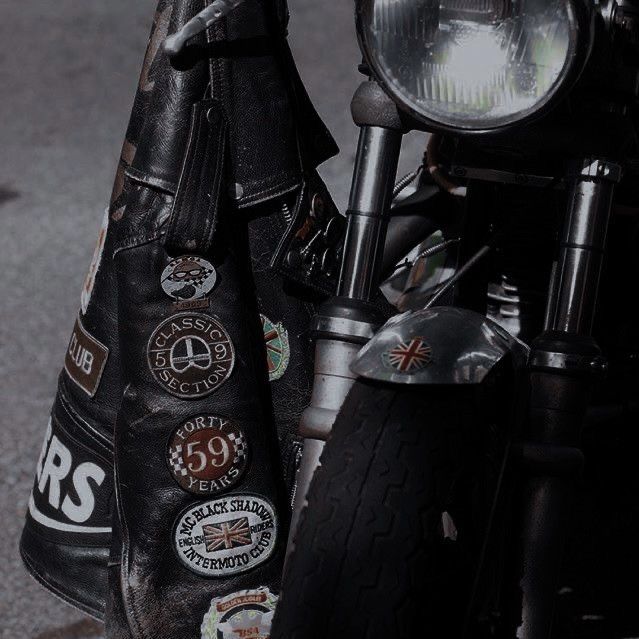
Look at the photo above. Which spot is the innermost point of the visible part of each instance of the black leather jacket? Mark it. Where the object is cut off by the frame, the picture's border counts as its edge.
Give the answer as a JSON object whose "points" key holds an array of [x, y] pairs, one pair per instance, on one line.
{"points": [[218, 161]]}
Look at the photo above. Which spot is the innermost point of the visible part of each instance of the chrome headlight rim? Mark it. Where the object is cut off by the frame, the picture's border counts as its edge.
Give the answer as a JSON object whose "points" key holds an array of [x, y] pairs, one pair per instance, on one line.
{"points": [[583, 16]]}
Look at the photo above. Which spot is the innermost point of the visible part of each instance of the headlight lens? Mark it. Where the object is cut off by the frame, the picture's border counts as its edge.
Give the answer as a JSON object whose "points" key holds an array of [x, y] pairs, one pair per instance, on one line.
{"points": [[470, 64]]}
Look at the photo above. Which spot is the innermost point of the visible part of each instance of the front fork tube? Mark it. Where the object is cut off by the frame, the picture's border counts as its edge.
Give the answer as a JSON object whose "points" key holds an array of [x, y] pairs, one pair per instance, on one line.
{"points": [[562, 362], [349, 320]]}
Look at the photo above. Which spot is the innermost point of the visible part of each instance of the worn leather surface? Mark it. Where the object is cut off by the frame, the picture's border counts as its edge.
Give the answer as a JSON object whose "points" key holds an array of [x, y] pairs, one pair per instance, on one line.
{"points": [[74, 563], [161, 596], [200, 200], [275, 132], [284, 301], [146, 569]]}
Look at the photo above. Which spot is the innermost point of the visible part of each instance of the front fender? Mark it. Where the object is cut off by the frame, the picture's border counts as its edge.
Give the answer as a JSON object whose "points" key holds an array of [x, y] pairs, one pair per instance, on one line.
{"points": [[441, 345]]}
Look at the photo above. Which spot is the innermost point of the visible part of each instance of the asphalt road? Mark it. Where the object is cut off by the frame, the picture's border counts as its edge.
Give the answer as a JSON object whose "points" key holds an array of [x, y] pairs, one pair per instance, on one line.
{"points": [[68, 72]]}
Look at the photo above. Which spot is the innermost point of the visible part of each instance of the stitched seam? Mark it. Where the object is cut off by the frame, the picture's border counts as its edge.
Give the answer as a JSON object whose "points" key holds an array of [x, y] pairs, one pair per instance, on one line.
{"points": [[195, 180], [194, 133], [57, 592], [289, 184], [105, 458], [82, 423], [217, 180], [149, 180]]}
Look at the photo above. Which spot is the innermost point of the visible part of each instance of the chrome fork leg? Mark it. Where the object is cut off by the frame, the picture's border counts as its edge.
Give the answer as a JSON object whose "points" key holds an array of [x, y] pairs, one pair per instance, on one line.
{"points": [[562, 362], [348, 321], [576, 276]]}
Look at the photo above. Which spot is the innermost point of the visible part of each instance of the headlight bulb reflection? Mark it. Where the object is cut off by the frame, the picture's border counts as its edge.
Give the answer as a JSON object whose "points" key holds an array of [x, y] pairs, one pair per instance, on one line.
{"points": [[474, 64]]}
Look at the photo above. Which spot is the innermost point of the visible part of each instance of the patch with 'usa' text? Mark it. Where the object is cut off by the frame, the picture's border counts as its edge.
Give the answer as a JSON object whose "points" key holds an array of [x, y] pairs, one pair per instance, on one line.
{"points": [[247, 614], [85, 359]]}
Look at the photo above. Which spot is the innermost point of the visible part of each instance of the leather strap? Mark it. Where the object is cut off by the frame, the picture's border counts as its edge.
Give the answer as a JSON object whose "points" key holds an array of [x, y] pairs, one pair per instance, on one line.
{"points": [[200, 197]]}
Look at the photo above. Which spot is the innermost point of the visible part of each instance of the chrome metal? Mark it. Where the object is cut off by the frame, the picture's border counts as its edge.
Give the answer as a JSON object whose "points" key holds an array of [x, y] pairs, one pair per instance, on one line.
{"points": [[598, 168], [343, 326], [369, 204], [406, 180], [483, 251], [504, 177], [333, 379], [465, 347], [566, 361], [573, 291], [438, 248], [371, 193], [552, 297]]}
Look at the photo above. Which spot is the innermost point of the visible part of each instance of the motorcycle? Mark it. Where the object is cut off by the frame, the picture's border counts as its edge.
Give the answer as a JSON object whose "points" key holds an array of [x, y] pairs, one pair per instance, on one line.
{"points": [[443, 498], [444, 448]]}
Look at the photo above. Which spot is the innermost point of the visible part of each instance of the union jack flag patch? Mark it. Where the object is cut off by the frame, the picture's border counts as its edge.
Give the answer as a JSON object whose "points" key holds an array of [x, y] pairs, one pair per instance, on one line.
{"points": [[227, 535], [410, 356]]}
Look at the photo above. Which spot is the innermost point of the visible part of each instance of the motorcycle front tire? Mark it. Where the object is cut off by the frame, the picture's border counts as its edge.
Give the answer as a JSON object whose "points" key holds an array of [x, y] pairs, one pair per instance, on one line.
{"points": [[387, 547]]}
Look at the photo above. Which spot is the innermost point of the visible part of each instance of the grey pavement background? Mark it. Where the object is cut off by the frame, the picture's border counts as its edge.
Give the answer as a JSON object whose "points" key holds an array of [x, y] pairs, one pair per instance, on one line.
{"points": [[68, 73]]}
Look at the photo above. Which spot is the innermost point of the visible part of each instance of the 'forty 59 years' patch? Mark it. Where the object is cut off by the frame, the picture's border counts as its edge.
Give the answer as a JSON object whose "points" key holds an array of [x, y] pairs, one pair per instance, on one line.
{"points": [[207, 454], [85, 359], [247, 614], [278, 351], [226, 536], [190, 355]]}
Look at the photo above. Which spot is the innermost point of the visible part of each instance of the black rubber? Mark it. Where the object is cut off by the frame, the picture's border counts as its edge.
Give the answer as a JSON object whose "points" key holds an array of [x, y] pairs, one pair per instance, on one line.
{"points": [[371, 560]]}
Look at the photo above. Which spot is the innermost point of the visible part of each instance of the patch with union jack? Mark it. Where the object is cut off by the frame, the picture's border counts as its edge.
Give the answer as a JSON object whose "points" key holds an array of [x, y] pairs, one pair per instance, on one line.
{"points": [[226, 536], [278, 351], [409, 356]]}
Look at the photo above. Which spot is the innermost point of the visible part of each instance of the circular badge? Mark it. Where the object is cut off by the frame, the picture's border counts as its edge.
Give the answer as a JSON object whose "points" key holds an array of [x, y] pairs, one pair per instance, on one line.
{"points": [[188, 278], [247, 614], [226, 536], [207, 454], [410, 356], [190, 355], [278, 351]]}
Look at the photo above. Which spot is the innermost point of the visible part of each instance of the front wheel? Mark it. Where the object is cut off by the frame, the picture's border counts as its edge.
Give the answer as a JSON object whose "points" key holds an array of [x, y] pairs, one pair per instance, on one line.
{"points": [[388, 546]]}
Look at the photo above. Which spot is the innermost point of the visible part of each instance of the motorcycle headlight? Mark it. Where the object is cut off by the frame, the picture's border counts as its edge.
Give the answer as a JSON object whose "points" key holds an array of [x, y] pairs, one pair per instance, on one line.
{"points": [[470, 64]]}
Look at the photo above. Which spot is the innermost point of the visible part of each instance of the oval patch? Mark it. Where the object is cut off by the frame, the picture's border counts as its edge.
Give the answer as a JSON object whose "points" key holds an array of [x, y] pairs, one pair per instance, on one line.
{"points": [[247, 614], [226, 536], [207, 454], [190, 355], [188, 278]]}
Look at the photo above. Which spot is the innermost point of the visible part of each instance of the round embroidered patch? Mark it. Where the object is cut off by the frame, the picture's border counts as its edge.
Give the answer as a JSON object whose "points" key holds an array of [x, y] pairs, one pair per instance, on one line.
{"points": [[278, 352], [207, 454], [188, 278], [410, 356], [247, 614], [190, 355], [226, 536]]}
